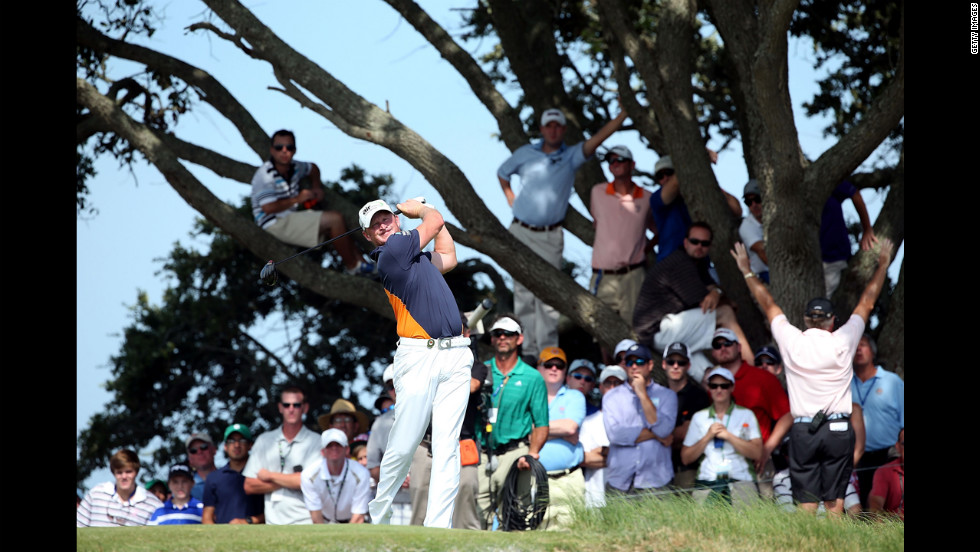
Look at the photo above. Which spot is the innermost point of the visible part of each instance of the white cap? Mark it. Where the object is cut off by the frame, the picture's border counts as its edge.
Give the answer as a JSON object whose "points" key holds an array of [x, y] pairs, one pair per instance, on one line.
{"points": [[663, 163], [506, 323], [613, 370], [622, 151], [333, 435], [726, 333], [622, 346], [723, 372], [553, 115], [367, 212], [582, 363], [389, 373]]}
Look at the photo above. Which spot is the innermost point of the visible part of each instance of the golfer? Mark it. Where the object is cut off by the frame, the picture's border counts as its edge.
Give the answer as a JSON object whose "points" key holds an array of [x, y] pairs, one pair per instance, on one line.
{"points": [[433, 359]]}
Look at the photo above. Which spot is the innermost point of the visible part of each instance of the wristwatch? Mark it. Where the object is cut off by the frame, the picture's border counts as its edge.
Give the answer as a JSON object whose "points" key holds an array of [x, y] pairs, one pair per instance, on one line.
{"points": [[718, 289], [248, 520]]}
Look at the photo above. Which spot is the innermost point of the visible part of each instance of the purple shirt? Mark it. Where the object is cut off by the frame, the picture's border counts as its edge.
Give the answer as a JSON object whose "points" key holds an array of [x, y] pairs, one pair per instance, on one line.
{"points": [[640, 465]]}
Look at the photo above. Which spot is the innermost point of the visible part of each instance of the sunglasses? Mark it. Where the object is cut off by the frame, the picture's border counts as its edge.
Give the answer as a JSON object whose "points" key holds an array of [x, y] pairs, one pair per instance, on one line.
{"points": [[553, 366], [343, 420], [502, 333], [200, 448], [766, 362], [695, 241], [675, 362], [664, 173], [720, 386], [752, 199], [294, 405], [721, 343], [289, 147], [636, 362], [618, 160], [588, 379]]}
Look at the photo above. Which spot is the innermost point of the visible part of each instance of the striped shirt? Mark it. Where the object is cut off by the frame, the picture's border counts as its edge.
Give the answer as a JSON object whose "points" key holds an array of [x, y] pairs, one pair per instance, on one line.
{"points": [[268, 186], [169, 514], [102, 507]]}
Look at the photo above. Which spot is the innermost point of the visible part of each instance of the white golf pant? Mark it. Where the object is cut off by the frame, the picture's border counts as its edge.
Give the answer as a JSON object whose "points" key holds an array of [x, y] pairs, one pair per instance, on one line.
{"points": [[431, 383]]}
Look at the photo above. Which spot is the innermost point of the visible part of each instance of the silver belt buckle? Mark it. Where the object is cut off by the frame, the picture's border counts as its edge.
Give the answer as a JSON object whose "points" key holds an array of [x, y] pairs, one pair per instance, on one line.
{"points": [[430, 343], [445, 342]]}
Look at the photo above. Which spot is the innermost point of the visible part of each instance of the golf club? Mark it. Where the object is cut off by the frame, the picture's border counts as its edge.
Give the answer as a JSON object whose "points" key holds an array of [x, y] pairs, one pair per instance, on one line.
{"points": [[270, 277]]}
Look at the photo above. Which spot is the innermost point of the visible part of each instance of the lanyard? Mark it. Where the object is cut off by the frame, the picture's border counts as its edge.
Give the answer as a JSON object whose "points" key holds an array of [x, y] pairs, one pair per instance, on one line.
{"points": [[343, 479], [282, 457], [728, 413], [866, 393]]}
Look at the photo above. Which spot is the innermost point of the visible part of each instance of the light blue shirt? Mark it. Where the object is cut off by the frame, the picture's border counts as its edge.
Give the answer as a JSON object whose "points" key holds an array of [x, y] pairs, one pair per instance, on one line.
{"points": [[559, 454], [640, 465], [547, 180], [882, 400]]}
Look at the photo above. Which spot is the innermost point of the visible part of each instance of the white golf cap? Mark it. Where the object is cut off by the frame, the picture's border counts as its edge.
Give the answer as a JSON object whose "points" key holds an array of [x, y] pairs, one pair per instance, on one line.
{"points": [[389, 373], [333, 435], [613, 371], [367, 212], [582, 363], [622, 346], [553, 115], [506, 323]]}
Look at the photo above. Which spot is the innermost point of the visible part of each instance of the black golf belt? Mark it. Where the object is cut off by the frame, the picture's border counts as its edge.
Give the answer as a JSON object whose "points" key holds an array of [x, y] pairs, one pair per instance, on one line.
{"points": [[561, 473], [436, 343], [510, 445], [534, 228], [622, 270]]}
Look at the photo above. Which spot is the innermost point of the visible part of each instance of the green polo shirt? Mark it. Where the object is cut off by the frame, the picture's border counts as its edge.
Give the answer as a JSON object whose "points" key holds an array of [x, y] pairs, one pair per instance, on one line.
{"points": [[521, 400]]}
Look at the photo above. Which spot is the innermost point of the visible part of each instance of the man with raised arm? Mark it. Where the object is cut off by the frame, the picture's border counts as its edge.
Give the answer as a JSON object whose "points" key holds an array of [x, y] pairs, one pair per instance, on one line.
{"points": [[818, 379]]}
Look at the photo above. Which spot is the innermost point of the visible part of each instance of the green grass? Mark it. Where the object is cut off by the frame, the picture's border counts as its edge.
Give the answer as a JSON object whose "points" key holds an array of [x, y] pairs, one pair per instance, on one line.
{"points": [[624, 525]]}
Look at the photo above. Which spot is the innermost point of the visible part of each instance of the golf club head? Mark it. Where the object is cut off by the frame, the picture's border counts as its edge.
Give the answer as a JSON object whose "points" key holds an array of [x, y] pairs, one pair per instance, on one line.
{"points": [[268, 275]]}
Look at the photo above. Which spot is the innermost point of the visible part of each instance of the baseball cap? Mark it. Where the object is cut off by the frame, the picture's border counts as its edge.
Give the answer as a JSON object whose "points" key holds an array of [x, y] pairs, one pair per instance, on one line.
{"points": [[549, 353], [770, 351], [198, 437], [622, 346], [752, 188], [333, 435], [821, 307], [663, 163], [367, 212], [726, 333], [149, 484], [677, 348], [506, 323], [723, 372], [180, 469], [552, 115], [639, 351], [582, 363], [622, 151], [613, 371], [238, 428]]}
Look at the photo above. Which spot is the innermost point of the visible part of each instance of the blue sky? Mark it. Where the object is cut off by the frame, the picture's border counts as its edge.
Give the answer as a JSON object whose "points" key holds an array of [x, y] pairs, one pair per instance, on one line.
{"points": [[369, 47]]}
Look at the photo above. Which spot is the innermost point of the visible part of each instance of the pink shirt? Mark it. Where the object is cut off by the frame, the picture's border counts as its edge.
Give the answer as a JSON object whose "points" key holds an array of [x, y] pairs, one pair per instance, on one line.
{"points": [[620, 226], [818, 365]]}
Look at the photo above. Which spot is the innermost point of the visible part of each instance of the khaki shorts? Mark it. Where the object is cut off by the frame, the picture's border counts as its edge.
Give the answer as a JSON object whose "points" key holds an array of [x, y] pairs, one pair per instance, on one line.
{"points": [[301, 228]]}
